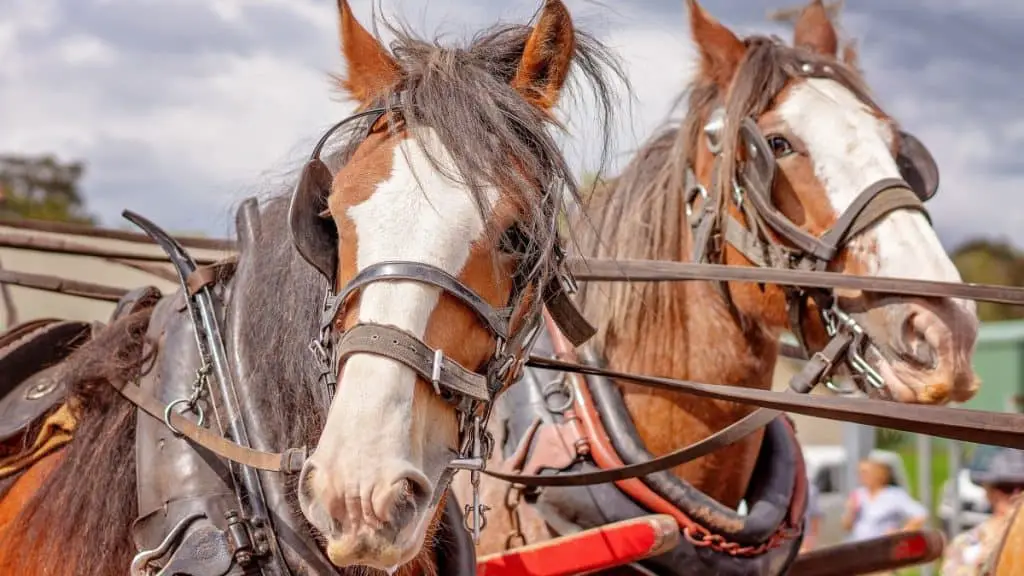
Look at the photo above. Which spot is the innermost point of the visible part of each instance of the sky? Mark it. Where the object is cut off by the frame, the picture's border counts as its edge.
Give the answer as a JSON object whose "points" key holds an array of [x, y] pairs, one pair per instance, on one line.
{"points": [[182, 108]]}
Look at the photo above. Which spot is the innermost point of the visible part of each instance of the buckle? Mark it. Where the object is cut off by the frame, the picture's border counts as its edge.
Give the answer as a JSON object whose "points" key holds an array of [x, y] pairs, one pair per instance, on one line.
{"points": [[435, 372]]}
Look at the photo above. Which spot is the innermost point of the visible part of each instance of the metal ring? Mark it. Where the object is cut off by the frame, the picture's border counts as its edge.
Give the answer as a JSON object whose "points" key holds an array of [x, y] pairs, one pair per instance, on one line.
{"points": [[737, 193], [553, 387], [690, 197], [194, 408]]}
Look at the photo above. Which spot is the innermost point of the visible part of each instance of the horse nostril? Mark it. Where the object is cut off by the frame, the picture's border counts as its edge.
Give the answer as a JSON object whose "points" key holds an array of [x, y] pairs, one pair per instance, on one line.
{"points": [[310, 503], [409, 494], [914, 345], [419, 490]]}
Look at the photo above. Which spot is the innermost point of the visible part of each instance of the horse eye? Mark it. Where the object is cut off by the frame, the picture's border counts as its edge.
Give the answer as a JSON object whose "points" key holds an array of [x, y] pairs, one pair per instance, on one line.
{"points": [[780, 146]]}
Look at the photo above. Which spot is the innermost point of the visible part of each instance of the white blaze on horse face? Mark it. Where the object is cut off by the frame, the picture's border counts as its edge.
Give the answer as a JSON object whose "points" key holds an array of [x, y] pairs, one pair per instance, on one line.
{"points": [[928, 344], [851, 149], [371, 437]]}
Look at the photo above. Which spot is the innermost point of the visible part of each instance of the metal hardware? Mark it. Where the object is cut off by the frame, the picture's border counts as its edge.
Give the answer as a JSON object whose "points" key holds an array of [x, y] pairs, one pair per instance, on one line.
{"points": [[140, 563], [713, 130], [435, 373]]}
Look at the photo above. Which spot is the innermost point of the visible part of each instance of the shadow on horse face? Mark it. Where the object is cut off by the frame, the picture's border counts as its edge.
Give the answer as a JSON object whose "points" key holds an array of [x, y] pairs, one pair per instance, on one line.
{"points": [[373, 484], [827, 151]]}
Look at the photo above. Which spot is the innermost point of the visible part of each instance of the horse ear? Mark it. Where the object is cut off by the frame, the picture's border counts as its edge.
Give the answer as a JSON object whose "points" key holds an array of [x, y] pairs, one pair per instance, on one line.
{"points": [[720, 50], [814, 30], [370, 68], [547, 56]]}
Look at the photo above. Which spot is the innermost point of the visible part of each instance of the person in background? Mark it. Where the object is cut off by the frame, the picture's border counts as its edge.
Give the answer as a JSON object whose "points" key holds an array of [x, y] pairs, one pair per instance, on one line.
{"points": [[1003, 481], [879, 506], [812, 519]]}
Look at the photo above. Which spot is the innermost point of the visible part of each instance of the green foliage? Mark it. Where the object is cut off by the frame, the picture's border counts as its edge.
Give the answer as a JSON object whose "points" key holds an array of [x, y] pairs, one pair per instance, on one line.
{"points": [[888, 439], [991, 262], [42, 188]]}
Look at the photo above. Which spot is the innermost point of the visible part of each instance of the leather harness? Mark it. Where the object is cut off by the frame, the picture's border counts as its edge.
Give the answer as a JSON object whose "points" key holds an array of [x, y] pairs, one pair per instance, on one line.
{"points": [[805, 258], [472, 392], [800, 265]]}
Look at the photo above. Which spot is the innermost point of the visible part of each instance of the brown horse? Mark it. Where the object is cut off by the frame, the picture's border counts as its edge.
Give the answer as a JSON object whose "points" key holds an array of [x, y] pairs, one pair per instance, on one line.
{"points": [[830, 142], [439, 180]]}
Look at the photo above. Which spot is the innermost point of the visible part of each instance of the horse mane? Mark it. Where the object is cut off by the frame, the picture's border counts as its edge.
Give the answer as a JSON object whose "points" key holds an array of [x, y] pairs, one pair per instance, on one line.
{"points": [[81, 517], [640, 214], [464, 95]]}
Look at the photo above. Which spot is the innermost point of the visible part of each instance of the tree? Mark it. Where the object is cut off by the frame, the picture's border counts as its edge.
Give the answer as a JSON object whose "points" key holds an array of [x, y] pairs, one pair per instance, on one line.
{"points": [[991, 262], [42, 188]]}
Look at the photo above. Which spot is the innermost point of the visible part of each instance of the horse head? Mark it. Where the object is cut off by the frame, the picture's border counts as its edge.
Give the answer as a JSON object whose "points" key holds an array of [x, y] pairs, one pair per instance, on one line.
{"points": [[437, 234], [805, 170]]}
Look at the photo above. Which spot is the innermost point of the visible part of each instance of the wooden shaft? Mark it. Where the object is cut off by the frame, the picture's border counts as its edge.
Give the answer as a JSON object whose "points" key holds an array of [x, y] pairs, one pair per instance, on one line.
{"points": [[61, 246], [62, 286]]}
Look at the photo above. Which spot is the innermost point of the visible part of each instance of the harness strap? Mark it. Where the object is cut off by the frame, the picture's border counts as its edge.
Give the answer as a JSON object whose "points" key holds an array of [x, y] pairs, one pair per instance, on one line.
{"points": [[608, 270], [573, 324], [821, 363], [289, 462], [762, 254], [996, 428], [870, 206], [210, 274], [399, 345], [734, 432], [418, 272], [709, 210]]}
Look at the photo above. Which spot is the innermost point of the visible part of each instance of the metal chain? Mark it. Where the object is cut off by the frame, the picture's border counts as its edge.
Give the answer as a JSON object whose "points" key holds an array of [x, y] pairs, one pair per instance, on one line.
{"points": [[513, 497], [702, 538]]}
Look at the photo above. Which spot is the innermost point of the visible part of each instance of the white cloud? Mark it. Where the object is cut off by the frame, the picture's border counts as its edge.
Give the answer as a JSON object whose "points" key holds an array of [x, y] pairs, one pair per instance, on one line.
{"points": [[205, 121], [219, 124], [658, 63], [84, 50], [973, 196]]}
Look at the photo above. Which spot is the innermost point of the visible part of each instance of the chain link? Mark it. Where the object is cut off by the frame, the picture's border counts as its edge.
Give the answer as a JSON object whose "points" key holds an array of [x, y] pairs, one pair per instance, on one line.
{"points": [[702, 538], [513, 497]]}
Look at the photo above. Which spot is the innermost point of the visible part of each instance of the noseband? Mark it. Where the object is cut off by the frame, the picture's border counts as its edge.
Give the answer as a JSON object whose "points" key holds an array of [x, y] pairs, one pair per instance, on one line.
{"points": [[713, 226]]}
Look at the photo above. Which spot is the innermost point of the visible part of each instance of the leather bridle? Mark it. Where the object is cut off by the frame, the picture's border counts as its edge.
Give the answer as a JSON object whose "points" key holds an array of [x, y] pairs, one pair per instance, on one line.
{"points": [[470, 392], [803, 259], [750, 191]]}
